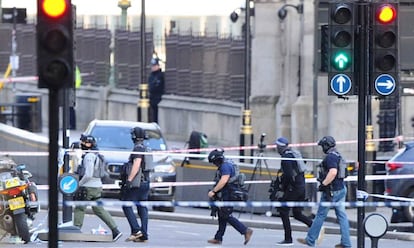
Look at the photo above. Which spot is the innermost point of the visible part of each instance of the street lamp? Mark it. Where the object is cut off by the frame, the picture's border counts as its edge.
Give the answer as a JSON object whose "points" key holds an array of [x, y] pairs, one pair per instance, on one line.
{"points": [[282, 13], [246, 131], [143, 111], [124, 5], [234, 16]]}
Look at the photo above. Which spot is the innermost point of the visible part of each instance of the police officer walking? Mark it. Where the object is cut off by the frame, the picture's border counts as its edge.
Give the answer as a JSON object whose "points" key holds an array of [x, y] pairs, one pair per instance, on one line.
{"points": [[131, 192], [293, 184], [333, 190], [222, 191], [91, 187]]}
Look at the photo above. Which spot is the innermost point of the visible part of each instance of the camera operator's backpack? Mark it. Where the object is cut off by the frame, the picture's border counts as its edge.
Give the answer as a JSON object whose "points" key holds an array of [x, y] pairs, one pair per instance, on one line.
{"points": [[301, 165], [239, 192], [342, 166], [98, 162], [238, 177]]}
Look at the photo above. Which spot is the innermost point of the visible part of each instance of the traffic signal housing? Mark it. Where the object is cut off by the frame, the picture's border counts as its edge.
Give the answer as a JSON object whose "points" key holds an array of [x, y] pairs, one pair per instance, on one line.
{"points": [[55, 59], [384, 63], [324, 58], [341, 27]]}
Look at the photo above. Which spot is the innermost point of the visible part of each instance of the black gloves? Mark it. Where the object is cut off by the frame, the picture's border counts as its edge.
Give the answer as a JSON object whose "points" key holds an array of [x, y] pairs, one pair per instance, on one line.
{"points": [[327, 191], [128, 184], [323, 188]]}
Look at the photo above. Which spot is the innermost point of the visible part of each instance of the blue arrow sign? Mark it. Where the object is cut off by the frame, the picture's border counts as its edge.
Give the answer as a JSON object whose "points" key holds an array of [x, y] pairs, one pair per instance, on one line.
{"points": [[68, 184], [341, 84], [385, 84]]}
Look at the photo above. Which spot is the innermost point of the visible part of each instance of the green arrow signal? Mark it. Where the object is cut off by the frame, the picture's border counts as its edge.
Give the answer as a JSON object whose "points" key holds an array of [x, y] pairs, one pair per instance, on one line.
{"points": [[341, 61]]}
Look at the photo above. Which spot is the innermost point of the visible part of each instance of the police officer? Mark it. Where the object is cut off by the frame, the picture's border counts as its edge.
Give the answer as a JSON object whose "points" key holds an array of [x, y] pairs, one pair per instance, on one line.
{"points": [[293, 184], [132, 193], [92, 188], [156, 83], [333, 190], [222, 191]]}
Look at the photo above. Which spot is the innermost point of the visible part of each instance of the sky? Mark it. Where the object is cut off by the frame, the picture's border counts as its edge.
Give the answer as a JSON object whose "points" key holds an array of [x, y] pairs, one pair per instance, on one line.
{"points": [[152, 7]]}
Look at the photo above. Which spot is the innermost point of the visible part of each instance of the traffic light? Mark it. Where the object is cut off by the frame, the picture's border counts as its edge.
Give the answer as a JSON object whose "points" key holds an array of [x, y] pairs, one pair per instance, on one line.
{"points": [[324, 61], [55, 62], [341, 48], [384, 63]]}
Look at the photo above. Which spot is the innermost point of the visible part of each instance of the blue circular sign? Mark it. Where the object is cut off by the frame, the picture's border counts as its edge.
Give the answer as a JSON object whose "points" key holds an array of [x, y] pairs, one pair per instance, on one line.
{"points": [[68, 184], [385, 84], [341, 84]]}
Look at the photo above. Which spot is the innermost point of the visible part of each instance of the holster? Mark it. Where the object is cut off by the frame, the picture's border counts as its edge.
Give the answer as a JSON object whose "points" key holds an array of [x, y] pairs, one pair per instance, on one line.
{"points": [[81, 194]]}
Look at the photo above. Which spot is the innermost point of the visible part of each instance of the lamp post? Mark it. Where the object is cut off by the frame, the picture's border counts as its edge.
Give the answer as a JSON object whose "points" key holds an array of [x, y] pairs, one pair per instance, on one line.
{"points": [[124, 5], [246, 131], [143, 102], [282, 13]]}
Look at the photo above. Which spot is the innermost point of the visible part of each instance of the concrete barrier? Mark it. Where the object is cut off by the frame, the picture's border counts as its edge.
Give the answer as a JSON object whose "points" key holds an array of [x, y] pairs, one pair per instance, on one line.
{"points": [[15, 139]]}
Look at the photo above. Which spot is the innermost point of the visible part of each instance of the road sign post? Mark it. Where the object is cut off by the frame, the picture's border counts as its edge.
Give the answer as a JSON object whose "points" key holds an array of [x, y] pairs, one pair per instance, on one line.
{"points": [[341, 84], [385, 84]]}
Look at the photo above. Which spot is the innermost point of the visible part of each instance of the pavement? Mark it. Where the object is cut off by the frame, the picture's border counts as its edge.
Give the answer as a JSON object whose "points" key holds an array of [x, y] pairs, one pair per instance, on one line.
{"points": [[400, 231]]}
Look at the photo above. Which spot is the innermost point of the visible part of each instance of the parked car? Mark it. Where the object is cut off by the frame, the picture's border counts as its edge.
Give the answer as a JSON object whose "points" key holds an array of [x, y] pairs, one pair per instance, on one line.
{"points": [[401, 163], [114, 142]]}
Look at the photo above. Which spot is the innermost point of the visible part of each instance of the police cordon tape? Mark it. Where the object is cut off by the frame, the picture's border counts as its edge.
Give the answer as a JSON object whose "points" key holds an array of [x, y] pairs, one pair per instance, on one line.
{"points": [[185, 155], [191, 152], [195, 183], [408, 203]]}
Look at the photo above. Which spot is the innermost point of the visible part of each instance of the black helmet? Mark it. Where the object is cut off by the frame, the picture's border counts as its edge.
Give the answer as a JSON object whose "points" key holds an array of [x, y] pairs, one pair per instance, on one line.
{"points": [[327, 143], [216, 156], [87, 139], [137, 133]]}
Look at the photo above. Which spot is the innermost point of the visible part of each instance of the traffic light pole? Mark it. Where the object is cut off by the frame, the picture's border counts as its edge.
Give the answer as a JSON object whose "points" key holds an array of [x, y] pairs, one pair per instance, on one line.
{"points": [[66, 210], [246, 131], [362, 69], [53, 168]]}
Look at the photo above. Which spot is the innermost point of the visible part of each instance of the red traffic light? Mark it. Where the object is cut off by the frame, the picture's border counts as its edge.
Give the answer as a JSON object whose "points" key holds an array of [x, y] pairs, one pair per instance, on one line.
{"points": [[386, 13], [55, 44], [54, 8]]}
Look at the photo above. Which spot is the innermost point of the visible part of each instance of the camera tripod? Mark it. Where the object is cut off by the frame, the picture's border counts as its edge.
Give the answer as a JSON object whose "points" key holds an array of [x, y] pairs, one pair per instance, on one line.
{"points": [[260, 161], [258, 166]]}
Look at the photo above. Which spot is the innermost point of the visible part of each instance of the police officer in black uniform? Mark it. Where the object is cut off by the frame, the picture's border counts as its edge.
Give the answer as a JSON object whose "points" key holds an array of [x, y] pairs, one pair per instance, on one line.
{"points": [[132, 193], [156, 83], [222, 191], [293, 185]]}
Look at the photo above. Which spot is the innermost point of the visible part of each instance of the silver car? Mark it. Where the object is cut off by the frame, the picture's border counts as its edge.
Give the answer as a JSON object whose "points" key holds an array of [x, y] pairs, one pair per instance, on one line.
{"points": [[114, 142]]}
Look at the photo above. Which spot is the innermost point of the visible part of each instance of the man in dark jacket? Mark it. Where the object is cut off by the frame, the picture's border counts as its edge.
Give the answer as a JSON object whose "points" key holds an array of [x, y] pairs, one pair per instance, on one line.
{"points": [[131, 192], [293, 184], [156, 88]]}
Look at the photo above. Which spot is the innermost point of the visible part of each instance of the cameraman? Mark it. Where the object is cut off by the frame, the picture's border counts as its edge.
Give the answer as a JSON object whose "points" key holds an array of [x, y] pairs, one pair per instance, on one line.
{"points": [[294, 189], [90, 188], [222, 191], [330, 184]]}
